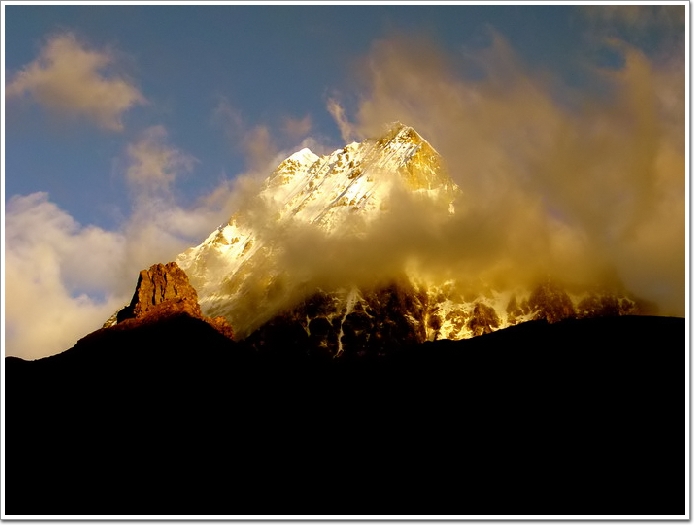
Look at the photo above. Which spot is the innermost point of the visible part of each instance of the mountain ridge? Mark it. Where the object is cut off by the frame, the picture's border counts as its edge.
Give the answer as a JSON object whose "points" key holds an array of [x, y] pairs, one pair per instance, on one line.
{"points": [[577, 417]]}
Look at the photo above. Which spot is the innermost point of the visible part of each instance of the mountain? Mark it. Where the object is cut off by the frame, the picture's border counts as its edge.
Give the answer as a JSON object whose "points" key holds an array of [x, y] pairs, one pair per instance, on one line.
{"points": [[237, 270], [577, 417], [572, 409], [163, 291], [298, 259]]}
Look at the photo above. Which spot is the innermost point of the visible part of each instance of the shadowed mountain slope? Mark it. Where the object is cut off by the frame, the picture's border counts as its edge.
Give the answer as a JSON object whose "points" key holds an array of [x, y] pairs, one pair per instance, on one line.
{"points": [[576, 417]]}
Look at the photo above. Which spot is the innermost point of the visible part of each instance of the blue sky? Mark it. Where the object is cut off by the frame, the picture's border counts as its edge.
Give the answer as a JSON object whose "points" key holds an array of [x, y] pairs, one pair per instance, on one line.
{"points": [[143, 117], [268, 62]]}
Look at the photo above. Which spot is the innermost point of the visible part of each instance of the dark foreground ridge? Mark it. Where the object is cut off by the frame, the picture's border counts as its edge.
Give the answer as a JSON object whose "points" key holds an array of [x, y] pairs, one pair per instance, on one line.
{"points": [[580, 417]]}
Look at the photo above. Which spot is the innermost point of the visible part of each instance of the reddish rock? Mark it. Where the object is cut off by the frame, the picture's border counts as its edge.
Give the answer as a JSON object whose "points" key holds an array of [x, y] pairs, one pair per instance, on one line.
{"points": [[162, 291], [164, 288]]}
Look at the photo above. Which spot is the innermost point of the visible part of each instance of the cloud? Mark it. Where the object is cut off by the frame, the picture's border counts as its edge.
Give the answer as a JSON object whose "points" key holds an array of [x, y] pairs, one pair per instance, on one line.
{"points": [[256, 143], [153, 164], [158, 228], [69, 78], [338, 113], [296, 128], [263, 146], [579, 185], [52, 265]]}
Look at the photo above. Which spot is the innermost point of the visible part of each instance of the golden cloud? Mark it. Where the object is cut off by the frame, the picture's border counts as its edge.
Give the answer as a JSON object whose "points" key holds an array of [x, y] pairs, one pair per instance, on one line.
{"points": [[71, 79]]}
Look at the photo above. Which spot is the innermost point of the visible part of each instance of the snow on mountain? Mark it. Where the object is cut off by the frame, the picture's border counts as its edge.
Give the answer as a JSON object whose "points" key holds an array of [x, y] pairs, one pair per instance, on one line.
{"points": [[237, 274], [326, 192]]}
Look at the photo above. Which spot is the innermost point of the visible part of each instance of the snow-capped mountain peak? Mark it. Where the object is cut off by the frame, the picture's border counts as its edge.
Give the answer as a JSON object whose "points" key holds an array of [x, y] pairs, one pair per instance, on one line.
{"points": [[323, 191], [238, 274]]}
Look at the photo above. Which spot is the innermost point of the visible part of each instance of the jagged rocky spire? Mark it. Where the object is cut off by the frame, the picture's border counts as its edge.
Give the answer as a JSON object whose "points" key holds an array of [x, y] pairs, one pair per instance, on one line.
{"points": [[164, 290]]}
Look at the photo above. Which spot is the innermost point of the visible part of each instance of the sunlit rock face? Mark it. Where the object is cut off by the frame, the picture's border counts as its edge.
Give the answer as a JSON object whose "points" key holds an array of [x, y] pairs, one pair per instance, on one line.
{"points": [[164, 290], [241, 271], [161, 287]]}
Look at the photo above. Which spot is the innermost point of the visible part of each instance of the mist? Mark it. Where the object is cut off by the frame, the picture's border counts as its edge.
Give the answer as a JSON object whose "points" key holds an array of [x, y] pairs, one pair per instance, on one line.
{"points": [[585, 187], [580, 186]]}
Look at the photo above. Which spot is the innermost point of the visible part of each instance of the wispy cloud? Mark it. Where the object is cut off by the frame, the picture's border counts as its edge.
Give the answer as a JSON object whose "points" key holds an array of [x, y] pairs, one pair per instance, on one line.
{"points": [[158, 227], [297, 128], [592, 186], [72, 79], [337, 111], [264, 146], [256, 143], [154, 164]]}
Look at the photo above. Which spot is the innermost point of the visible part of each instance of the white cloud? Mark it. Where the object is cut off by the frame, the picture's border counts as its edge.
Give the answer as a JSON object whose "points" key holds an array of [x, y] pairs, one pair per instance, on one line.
{"points": [[51, 265], [70, 78], [612, 173]]}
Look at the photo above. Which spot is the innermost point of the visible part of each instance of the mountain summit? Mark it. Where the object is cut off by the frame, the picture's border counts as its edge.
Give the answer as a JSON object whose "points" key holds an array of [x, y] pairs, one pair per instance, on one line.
{"points": [[259, 270]]}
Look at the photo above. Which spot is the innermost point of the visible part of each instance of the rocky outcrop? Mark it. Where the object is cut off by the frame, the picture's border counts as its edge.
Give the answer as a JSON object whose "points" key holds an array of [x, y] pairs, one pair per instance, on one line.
{"points": [[163, 291]]}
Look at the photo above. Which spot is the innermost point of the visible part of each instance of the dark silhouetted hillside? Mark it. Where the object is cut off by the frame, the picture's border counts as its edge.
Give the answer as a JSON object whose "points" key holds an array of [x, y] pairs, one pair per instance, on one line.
{"points": [[573, 418]]}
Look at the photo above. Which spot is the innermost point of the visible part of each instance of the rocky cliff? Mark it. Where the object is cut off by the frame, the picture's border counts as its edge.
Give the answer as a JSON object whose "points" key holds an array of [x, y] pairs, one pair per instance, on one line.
{"points": [[163, 291]]}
